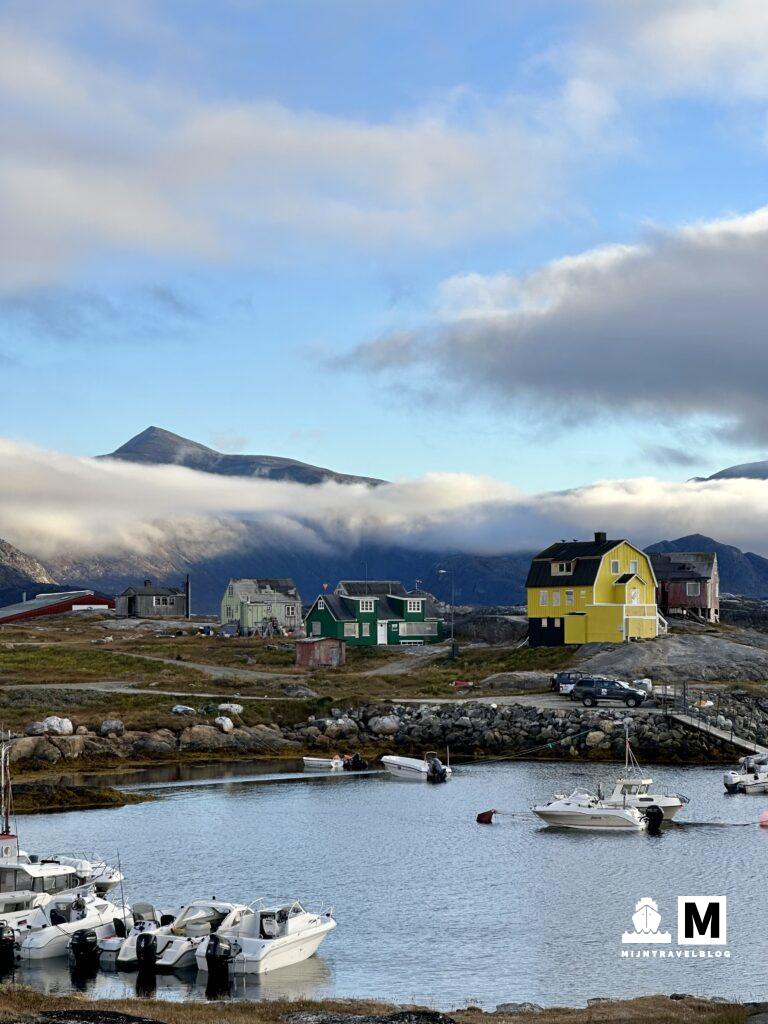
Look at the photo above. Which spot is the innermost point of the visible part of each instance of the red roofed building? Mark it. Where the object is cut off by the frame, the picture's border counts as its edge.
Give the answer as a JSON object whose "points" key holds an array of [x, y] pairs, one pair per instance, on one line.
{"points": [[56, 604]]}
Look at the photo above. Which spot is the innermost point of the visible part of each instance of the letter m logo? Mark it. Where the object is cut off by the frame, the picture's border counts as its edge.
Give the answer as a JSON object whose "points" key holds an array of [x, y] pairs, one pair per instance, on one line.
{"points": [[701, 920]]}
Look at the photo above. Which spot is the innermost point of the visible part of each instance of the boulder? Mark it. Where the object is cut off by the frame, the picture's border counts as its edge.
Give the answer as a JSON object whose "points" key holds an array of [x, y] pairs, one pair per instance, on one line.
{"points": [[595, 738], [203, 739], [384, 725], [182, 709], [111, 726], [231, 709], [519, 1008], [55, 726], [224, 723], [35, 729], [299, 690], [81, 730]]}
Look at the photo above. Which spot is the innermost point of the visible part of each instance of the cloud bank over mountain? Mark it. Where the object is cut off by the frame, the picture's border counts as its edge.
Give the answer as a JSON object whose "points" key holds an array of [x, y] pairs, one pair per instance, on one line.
{"points": [[61, 506]]}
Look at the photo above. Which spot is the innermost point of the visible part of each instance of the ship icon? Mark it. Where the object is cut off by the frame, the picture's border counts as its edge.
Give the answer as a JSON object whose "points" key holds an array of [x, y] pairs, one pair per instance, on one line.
{"points": [[647, 921]]}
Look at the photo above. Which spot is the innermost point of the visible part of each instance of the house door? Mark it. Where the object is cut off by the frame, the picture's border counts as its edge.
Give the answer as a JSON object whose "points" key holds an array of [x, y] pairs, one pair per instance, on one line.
{"points": [[381, 632]]}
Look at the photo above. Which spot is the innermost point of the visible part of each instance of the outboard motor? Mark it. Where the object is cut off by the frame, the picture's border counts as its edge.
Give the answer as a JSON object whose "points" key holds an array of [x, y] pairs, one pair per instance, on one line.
{"points": [[436, 771], [654, 816], [220, 951], [731, 781], [7, 944], [356, 763], [84, 947], [146, 951]]}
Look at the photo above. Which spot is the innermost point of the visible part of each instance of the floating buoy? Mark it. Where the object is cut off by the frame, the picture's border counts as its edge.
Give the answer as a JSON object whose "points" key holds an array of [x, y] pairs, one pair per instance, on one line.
{"points": [[763, 819], [486, 817]]}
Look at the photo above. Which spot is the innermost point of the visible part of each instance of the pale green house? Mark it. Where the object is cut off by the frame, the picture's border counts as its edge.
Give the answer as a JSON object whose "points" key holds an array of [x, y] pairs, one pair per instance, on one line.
{"points": [[263, 606]]}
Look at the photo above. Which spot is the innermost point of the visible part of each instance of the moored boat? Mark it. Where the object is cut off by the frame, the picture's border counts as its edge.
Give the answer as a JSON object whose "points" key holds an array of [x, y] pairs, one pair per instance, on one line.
{"points": [[417, 769], [751, 776], [583, 811]]}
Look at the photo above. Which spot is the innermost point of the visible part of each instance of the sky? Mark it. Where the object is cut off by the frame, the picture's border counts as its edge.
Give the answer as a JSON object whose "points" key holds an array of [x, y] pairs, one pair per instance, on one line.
{"points": [[525, 243]]}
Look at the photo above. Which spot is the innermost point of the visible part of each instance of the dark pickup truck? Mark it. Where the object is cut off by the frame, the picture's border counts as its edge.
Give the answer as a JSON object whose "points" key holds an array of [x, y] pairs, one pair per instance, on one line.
{"points": [[590, 691]]}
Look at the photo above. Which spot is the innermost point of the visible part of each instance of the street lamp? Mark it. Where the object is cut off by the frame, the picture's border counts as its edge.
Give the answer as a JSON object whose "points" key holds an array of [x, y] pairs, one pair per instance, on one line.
{"points": [[443, 572]]}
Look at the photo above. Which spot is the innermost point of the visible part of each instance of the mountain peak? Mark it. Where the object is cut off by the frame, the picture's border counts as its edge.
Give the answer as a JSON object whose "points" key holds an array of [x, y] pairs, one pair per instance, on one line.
{"points": [[159, 447]]}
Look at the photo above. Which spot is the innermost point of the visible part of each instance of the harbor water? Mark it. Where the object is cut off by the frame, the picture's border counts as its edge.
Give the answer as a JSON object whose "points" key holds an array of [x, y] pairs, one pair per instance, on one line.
{"points": [[432, 907]]}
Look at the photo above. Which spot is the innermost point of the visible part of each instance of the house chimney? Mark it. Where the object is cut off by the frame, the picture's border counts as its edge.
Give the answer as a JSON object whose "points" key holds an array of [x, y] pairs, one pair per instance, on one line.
{"points": [[188, 595], [601, 538], [147, 583]]}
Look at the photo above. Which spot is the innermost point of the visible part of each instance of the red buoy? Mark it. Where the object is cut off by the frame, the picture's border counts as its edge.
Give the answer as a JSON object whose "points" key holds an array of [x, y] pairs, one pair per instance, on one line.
{"points": [[486, 817], [763, 819]]}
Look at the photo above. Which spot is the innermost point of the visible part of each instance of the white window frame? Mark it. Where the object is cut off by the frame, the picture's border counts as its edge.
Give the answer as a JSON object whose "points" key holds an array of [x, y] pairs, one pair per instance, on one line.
{"points": [[543, 597], [544, 623], [555, 597], [350, 630], [693, 593], [367, 604], [414, 604], [615, 567], [316, 628], [569, 598], [320, 604], [633, 566], [557, 623], [366, 627]]}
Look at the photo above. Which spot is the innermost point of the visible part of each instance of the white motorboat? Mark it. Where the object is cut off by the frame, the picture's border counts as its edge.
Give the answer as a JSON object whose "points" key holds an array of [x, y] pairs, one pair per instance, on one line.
{"points": [[172, 946], [582, 811], [144, 918], [323, 764], [633, 790], [751, 776], [50, 928], [267, 935], [417, 769]]}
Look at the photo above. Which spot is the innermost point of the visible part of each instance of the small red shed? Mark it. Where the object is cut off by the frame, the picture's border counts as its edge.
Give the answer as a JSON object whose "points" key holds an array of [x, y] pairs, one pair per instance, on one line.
{"points": [[321, 652]]}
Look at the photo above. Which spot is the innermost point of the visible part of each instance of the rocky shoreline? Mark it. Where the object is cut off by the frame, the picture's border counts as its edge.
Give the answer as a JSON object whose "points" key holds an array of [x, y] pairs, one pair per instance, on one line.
{"points": [[472, 730]]}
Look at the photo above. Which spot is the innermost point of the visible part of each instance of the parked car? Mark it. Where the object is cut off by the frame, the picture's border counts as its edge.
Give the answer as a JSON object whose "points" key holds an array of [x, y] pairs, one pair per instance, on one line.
{"points": [[564, 682], [592, 690]]}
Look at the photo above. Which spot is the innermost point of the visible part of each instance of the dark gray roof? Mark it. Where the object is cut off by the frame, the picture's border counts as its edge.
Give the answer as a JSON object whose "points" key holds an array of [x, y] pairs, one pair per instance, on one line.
{"points": [[281, 584], [587, 555], [372, 588], [627, 576], [683, 565], [340, 609], [151, 591]]}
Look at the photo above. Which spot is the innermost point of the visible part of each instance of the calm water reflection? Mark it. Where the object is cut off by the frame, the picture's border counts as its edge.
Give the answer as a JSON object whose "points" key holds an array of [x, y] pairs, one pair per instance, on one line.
{"points": [[431, 906]]}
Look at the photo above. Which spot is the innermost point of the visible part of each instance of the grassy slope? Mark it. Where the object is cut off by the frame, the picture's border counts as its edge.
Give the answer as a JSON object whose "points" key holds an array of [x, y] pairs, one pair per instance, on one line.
{"points": [[19, 1005], [56, 664]]}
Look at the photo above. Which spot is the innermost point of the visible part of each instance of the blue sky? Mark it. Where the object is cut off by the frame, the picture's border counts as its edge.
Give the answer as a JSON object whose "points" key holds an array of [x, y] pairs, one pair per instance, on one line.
{"points": [[213, 212]]}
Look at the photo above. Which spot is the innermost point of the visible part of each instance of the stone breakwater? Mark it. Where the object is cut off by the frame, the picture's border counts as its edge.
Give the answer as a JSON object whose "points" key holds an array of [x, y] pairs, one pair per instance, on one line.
{"points": [[468, 729]]}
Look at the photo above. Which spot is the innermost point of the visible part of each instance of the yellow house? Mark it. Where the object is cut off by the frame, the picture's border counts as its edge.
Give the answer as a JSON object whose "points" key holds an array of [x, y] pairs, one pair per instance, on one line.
{"points": [[596, 591]]}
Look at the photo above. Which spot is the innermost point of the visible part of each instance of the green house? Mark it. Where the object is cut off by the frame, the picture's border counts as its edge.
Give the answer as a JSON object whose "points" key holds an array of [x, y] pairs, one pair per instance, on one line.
{"points": [[374, 612]]}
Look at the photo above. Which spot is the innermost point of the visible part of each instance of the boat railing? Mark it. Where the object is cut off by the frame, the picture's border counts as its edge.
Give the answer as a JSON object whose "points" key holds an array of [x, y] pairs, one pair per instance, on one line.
{"points": [[321, 908]]}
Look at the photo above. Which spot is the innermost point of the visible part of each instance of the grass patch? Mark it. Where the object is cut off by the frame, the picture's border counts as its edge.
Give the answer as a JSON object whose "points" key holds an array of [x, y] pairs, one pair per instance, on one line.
{"points": [[47, 798], [236, 652], [22, 1005], [57, 664]]}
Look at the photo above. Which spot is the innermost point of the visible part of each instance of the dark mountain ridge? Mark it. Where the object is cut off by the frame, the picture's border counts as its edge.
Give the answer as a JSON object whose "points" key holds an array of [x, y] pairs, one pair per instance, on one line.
{"points": [[155, 446]]}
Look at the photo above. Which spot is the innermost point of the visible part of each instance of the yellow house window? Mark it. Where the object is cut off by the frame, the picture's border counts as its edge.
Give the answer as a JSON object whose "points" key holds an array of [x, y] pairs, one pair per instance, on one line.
{"points": [[615, 566], [633, 566], [544, 623], [569, 597], [555, 597], [543, 597]]}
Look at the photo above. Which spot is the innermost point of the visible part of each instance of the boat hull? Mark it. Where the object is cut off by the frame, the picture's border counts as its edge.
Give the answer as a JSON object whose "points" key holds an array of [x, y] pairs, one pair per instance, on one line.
{"points": [[263, 957], [409, 769], [323, 764], [590, 822]]}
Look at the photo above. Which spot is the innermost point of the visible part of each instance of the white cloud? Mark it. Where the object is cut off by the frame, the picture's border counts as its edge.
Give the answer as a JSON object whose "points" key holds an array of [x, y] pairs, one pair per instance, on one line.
{"points": [[668, 329], [95, 161], [65, 508]]}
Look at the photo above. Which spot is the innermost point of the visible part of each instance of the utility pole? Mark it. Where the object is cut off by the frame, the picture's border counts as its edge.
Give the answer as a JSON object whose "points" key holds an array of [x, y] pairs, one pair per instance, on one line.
{"points": [[454, 646]]}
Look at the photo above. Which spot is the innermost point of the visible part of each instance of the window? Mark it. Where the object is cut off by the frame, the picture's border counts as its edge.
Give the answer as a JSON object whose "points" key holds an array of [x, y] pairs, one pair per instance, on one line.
{"points": [[230, 590], [634, 596], [615, 566], [320, 604], [350, 629], [229, 612], [543, 597], [164, 601], [569, 597], [366, 629], [544, 623], [693, 589], [633, 566], [414, 605], [155, 602], [562, 568], [557, 623], [290, 610], [366, 604], [555, 597], [315, 629]]}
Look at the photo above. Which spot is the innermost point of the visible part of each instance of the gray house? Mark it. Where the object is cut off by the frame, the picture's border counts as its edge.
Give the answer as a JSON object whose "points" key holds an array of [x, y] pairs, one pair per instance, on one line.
{"points": [[262, 605], [152, 602]]}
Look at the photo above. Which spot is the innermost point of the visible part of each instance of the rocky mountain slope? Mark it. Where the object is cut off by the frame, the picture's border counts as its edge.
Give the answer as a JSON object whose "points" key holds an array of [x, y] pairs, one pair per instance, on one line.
{"points": [[17, 568], [741, 572], [748, 470], [155, 446]]}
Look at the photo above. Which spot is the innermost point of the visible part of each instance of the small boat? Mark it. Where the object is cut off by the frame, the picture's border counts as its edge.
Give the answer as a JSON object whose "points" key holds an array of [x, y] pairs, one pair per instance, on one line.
{"points": [[751, 777], [50, 928], [323, 764], [582, 811], [172, 946], [267, 936], [144, 918], [635, 791], [415, 769]]}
